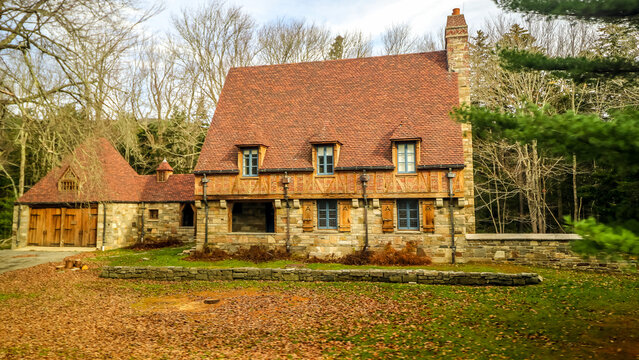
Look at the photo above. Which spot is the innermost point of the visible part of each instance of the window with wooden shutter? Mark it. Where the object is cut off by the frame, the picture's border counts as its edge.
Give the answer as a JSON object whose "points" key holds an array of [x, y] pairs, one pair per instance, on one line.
{"points": [[345, 215], [307, 215], [428, 215], [387, 215]]}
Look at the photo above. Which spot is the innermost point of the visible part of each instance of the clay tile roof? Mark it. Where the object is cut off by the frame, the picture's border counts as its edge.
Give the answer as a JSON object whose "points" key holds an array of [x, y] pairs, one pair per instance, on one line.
{"points": [[164, 166], [178, 187], [405, 130], [360, 101], [105, 176]]}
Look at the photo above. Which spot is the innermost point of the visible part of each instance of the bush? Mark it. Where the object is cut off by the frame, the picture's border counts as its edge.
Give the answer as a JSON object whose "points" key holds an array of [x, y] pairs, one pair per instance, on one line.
{"points": [[407, 256], [255, 253], [605, 242], [152, 242], [208, 254]]}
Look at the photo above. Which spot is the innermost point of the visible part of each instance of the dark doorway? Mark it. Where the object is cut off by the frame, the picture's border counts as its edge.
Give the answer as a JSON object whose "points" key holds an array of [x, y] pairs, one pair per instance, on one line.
{"points": [[253, 217], [187, 215]]}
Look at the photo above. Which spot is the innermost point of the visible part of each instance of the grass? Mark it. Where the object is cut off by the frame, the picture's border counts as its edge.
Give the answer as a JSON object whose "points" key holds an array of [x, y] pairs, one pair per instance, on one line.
{"points": [[573, 315], [171, 256]]}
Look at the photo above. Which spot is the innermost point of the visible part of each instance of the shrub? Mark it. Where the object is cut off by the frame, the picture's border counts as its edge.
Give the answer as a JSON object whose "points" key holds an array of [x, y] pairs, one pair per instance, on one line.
{"points": [[261, 253], [208, 254], [407, 256], [152, 242]]}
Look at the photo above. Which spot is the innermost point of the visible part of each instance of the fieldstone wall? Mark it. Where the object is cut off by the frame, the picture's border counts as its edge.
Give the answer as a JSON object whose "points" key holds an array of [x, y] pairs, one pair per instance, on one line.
{"points": [[551, 250], [324, 243], [167, 224], [121, 225], [175, 273]]}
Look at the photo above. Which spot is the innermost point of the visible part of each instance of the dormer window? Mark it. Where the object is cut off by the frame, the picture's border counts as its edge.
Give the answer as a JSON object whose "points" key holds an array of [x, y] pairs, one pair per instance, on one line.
{"points": [[325, 159], [406, 157], [249, 161]]}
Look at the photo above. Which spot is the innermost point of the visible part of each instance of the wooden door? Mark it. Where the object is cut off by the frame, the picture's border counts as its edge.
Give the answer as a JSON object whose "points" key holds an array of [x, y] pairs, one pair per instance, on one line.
{"points": [[36, 227], [63, 227]]}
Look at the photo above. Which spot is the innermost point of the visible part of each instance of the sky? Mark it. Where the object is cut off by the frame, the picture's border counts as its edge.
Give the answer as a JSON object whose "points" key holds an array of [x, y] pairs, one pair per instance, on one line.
{"points": [[370, 16]]}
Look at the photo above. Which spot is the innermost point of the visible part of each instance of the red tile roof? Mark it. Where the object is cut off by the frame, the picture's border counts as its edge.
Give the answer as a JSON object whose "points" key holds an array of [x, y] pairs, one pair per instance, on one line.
{"points": [[104, 175], [164, 166], [362, 100], [178, 187]]}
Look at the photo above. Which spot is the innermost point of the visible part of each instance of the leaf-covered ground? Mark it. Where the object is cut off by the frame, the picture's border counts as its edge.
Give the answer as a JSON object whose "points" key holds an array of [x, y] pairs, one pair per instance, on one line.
{"points": [[75, 314]]}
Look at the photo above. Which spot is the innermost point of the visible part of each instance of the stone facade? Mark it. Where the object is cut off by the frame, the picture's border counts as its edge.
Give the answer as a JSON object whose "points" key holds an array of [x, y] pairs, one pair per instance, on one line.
{"points": [[168, 223], [176, 273], [326, 243]]}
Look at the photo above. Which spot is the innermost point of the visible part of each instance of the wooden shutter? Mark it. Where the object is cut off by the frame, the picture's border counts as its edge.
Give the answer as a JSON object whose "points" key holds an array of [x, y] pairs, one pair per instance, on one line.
{"points": [[428, 215], [387, 215], [344, 215], [307, 215]]}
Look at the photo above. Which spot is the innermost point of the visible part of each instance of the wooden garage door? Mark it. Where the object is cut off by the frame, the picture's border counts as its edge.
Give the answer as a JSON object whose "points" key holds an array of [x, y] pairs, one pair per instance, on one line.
{"points": [[63, 226]]}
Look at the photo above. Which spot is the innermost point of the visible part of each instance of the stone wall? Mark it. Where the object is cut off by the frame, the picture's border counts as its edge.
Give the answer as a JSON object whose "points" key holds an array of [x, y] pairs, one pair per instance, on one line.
{"points": [[168, 222], [552, 250], [324, 243], [121, 225], [176, 273]]}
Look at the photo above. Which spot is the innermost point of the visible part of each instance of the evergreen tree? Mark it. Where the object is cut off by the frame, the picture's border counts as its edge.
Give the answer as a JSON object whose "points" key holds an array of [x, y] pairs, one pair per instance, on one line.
{"points": [[337, 49]]}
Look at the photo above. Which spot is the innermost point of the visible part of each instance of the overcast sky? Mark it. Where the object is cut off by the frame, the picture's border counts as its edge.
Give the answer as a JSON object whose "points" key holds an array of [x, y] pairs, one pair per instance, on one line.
{"points": [[370, 16]]}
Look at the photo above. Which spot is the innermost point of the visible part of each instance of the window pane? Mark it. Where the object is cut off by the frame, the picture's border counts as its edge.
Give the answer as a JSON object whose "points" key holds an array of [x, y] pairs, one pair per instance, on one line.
{"points": [[328, 150], [410, 167]]}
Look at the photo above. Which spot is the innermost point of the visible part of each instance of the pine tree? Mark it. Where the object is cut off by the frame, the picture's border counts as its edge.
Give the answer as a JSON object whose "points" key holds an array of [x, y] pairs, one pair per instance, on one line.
{"points": [[337, 49]]}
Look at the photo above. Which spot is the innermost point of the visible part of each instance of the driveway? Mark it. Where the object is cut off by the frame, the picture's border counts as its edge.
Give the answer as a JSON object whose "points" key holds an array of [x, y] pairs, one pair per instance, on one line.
{"points": [[19, 259]]}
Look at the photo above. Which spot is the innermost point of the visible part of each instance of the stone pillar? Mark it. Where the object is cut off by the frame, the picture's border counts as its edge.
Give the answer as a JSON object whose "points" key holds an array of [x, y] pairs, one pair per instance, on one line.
{"points": [[458, 57]]}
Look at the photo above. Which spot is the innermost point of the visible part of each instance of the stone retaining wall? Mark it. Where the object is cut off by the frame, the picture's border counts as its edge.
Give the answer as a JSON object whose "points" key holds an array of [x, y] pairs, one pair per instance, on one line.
{"points": [[550, 250], [176, 273]]}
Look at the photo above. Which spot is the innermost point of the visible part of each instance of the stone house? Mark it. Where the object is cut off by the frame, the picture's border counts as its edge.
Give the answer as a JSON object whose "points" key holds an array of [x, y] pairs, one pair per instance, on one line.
{"points": [[329, 157], [96, 199], [322, 158]]}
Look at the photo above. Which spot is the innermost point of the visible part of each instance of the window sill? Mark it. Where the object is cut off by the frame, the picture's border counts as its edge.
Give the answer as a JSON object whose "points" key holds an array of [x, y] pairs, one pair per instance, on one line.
{"points": [[256, 177], [325, 175], [406, 174], [411, 231], [327, 231]]}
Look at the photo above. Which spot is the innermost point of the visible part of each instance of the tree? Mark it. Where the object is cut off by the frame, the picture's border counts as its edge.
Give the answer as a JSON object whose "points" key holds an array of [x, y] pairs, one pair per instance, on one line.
{"points": [[337, 49], [290, 41]]}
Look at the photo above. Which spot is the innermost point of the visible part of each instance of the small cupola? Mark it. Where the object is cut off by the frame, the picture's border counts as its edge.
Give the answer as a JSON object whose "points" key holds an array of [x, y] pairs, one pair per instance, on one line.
{"points": [[163, 171]]}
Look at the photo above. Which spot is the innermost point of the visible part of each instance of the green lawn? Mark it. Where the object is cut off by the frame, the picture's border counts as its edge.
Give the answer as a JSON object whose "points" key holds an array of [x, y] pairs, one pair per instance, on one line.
{"points": [[172, 256]]}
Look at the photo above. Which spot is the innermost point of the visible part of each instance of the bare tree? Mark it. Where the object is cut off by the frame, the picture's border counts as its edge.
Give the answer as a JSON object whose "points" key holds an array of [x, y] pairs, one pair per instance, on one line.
{"points": [[290, 41], [398, 39], [214, 38]]}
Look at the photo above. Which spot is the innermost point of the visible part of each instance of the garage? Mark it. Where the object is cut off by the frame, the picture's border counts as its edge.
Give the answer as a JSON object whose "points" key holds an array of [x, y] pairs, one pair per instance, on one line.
{"points": [[63, 226]]}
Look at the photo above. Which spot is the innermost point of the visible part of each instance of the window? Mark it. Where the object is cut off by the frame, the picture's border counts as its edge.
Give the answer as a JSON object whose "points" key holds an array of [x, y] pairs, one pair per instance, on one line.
{"points": [[325, 160], [154, 214], [68, 185], [407, 215], [327, 214], [406, 157], [249, 162]]}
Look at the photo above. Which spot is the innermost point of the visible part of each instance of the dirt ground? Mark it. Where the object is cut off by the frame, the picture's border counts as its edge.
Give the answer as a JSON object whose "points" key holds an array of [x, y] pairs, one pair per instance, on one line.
{"points": [[76, 314], [49, 314]]}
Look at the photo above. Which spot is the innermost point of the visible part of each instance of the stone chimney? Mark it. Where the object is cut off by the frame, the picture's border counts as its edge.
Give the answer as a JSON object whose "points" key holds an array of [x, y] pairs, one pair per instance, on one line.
{"points": [[458, 57], [457, 52], [163, 171]]}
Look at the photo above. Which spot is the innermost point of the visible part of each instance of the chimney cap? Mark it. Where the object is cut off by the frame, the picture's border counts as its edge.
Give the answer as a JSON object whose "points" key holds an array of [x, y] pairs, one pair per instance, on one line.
{"points": [[456, 11]]}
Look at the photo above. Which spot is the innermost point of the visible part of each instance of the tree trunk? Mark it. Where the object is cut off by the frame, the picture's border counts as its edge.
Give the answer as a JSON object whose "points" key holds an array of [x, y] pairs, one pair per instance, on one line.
{"points": [[574, 188]]}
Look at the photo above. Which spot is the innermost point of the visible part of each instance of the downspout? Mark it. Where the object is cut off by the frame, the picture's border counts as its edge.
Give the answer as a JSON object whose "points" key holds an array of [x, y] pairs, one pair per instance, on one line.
{"points": [[285, 182], [364, 179], [18, 225], [142, 233], [453, 249], [104, 224], [206, 211]]}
